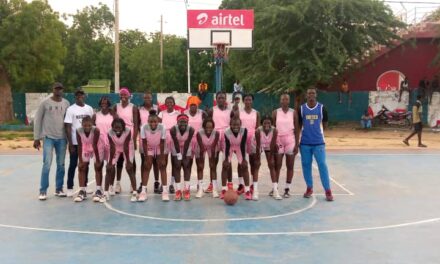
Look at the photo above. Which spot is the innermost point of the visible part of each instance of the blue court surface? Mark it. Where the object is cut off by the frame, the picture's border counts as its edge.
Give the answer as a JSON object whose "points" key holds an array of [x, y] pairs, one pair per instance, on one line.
{"points": [[386, 210]]}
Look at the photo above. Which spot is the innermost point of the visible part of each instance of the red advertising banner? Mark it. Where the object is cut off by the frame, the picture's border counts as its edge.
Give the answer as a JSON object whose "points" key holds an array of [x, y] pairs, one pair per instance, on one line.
{"points": [[224, 18]]}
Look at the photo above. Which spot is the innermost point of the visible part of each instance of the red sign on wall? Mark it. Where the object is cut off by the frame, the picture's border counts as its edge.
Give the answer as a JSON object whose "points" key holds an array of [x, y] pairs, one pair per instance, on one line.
{"points": [[239, 19]]}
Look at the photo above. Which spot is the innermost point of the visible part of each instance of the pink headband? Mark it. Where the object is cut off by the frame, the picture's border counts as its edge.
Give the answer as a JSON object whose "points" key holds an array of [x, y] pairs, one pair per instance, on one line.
{"points": [[182, 117], [124, 91]]}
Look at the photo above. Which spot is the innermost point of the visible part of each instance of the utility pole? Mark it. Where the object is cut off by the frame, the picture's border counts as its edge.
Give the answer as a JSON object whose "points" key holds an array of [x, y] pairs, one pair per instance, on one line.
{"points": [[188, 64], [116, 29], [161, 42]]}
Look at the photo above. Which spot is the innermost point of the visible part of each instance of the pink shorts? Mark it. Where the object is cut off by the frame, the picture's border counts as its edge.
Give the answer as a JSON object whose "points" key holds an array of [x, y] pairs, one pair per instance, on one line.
{"points": [[286, 144], [87, 155], [130, 154], [103, 151]]}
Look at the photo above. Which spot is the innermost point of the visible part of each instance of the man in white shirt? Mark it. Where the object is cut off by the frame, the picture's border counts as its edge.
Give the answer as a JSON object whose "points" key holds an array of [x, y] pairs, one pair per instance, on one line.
{"points": [[238, 89], [73, 120]]}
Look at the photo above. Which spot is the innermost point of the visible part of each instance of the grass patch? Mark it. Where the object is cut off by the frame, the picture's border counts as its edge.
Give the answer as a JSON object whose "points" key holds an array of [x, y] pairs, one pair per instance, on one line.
{"points": [[16, 135]]}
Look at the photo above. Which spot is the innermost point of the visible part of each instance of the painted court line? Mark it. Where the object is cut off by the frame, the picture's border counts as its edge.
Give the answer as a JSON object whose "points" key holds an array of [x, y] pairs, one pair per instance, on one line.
{"points": [[334, 181], [219, 234], [312, 204]]}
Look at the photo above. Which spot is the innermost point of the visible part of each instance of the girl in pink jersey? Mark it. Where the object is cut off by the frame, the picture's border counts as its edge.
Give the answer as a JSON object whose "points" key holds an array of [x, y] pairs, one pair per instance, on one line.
{"points": [[235, 143], [250, 118], [286, 120], [120, 145], [182, 135], [207, 142], [153, 137], [103, 121], [265, 141], [87, 137], [130, 114], [169, 119], [221, 115], [144, 113]]}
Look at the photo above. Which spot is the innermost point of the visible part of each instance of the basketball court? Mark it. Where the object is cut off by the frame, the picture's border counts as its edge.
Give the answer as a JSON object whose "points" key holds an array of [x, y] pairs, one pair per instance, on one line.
{"points": [[385, 211]]}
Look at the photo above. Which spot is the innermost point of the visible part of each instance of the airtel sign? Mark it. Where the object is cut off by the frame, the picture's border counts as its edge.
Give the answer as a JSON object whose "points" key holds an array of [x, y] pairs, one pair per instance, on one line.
{"points": [[239, 19]]}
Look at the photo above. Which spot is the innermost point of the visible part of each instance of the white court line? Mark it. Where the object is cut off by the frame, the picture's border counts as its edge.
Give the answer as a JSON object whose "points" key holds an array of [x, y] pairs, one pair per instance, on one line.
{"points": [[384, 154], [312, 204], [220, 234]]}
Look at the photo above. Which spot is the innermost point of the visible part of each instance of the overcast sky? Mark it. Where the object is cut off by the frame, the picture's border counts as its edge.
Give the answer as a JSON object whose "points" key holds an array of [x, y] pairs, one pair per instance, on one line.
{"points": [[145, 14]]}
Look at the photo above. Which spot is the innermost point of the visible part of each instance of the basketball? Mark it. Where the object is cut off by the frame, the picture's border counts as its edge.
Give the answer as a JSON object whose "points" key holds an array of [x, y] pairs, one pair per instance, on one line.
{"points": [[231, 197]]}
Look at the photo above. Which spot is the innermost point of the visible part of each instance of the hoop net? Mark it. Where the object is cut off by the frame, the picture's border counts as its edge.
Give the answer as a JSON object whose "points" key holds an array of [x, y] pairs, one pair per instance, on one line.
{"points": [[221, 51]]}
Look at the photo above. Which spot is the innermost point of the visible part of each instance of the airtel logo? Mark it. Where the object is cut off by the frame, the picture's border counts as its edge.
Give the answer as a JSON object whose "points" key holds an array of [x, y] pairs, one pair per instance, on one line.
{"points": [[202, 18]]}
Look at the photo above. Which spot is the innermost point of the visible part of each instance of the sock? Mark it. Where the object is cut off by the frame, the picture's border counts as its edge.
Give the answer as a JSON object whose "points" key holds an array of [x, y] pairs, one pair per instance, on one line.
{"points": [[214, 184], [288, 185], [255, 186], [99, 188], [224, 188], [275, 186], [246, 188], [144, 188], [241, 180], [173, 180], [186, 185], [179, 186], [165, 189], [83, 188], [200, 184]]}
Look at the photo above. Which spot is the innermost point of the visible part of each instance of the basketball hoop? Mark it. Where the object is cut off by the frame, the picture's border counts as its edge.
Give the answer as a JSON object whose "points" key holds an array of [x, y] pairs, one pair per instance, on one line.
{"points": [[221, 51]]}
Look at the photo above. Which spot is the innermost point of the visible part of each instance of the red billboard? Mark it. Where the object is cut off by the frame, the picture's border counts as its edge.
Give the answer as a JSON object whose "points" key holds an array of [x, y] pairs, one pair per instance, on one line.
{"points": [[224, 18]]}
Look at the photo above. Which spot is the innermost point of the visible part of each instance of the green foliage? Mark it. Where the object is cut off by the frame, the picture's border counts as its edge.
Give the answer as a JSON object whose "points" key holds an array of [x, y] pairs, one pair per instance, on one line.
{"points": [[31, 43], [304, 42]]}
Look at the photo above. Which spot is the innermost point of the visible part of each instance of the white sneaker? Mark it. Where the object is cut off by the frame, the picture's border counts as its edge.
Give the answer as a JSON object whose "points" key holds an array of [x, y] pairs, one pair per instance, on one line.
{"points": [[42, 196], [276, 195], [165, 197], [133, 196], [118, 188], [70, 192], [142, 197], [199, 193], [111, 190], [215, 193], [80, 197], [255, 195], [105, 197]]}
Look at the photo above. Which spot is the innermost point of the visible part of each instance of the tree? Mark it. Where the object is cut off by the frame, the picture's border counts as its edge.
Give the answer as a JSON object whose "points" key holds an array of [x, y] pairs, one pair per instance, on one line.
{"points": [[305, 42], [31, 49]]}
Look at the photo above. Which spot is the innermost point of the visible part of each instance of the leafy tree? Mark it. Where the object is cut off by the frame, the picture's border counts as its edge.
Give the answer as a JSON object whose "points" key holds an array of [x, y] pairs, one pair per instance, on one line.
{"points": [[31, 48], [304, 42]]}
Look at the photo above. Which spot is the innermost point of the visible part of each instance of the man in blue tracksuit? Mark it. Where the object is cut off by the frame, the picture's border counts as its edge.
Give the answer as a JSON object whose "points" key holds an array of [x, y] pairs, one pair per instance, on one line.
{"points": [[313, 119]]}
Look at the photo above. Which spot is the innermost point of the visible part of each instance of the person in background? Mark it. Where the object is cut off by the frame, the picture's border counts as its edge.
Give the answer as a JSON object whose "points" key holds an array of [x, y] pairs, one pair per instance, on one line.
{"points": [[435, 87], [366, 120], [238, 89], [49, 127], [417, 111], [73, 120], [404, 86], [423, 88], [203, 90], [344, 89]]}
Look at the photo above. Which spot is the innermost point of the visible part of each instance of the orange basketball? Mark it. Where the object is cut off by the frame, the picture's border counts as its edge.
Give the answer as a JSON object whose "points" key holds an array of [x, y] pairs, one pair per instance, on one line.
{"points": [[231, 197]]}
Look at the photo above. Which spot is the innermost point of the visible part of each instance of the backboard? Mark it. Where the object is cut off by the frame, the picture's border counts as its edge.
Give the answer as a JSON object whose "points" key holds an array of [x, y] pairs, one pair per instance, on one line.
{"points": [[232, 27]]}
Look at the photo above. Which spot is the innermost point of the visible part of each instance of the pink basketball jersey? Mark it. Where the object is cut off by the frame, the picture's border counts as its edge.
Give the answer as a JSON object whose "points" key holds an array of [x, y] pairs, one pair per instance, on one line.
{"points": [[104, 124], [284, 122], [145, 113], [221, 119], [86, 143], [265, 140], [249, 121], [195, 121], [126, 114]]}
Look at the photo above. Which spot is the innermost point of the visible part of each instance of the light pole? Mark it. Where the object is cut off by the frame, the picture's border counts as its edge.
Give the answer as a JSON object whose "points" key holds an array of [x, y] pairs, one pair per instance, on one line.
{"points": [[116, 29], [188, 64]]}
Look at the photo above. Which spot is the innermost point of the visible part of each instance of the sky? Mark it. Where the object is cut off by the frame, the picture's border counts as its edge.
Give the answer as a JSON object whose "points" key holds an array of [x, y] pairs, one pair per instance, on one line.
{"points": [[145, 14]]}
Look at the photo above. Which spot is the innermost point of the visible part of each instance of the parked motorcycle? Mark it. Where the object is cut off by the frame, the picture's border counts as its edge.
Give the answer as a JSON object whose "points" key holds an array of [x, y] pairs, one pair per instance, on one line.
{"points": [[400, 118]]}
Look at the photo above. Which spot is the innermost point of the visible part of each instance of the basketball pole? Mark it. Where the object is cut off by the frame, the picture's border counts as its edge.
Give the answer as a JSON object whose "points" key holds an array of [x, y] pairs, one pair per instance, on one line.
{"points": [[116, 28], [188, 62]]}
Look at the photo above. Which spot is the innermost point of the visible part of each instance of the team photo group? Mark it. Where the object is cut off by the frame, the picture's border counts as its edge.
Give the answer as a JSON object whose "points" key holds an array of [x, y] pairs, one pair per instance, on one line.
{"points": [[110, 138]]}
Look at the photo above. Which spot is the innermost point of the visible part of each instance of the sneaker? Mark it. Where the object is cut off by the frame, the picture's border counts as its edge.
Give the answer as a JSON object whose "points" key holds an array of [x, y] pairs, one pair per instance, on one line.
{"points": [[60, 193], [230, 186], [328, 196], [286, 193], [405, 142], [97, 196], [156, 187], [171, 189], [240, 189], [105, 197], [199, 193], [255, 195], [222, 194], [118, 188], [142, 197], [134, 195], [186, 195], [251, 188], [42, 196], [308, 193], [139, 190], [111, 190], [82, 195], [70, 193], [165, 197], [178, 195], [271, 193], [248, 195], [209, 189], [276, 195], [215, 193]]}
